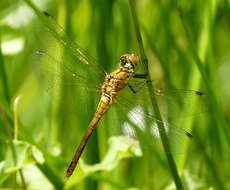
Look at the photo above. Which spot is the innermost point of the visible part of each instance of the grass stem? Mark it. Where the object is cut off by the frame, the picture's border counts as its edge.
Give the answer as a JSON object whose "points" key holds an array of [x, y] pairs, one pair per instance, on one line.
{"points": [[156, 109], [3, 76]]}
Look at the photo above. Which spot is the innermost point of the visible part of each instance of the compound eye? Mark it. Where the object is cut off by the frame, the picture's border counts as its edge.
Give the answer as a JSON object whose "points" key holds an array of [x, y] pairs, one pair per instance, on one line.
{"points": [[123, 60]]}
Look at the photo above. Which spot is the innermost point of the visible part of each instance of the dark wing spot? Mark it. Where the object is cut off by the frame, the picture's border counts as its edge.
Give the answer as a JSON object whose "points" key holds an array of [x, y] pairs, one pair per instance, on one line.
{"points": [[199, 93], [46, 14], [189, 134]]}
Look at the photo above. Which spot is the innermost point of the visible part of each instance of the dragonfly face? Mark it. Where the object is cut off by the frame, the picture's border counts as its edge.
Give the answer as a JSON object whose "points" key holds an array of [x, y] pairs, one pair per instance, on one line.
{"points": [[129, 61]]}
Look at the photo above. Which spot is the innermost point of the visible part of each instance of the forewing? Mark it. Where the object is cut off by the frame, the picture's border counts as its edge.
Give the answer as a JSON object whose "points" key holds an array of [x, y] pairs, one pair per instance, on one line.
{"points": [[72, 57], [65, 60], [56, 72], [72, 47]]}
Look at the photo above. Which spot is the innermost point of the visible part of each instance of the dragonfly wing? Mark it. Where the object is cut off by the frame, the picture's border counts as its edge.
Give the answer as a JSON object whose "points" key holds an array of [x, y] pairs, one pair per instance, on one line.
{"points": [[73, 54], [139, 111], [143, 127], [57, 71], [172, 102]]}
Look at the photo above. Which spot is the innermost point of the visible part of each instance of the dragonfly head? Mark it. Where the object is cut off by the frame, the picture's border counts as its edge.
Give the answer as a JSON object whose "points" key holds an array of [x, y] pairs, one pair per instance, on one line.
{"points": [[129, 61]]}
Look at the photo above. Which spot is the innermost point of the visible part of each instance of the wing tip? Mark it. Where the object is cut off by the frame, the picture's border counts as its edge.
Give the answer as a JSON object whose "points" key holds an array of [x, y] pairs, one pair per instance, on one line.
{"points": [[189, 134], [200, 93], [46, 13]]}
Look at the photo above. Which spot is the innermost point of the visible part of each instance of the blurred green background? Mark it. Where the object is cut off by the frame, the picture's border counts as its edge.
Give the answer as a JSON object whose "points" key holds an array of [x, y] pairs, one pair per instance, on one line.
{"points": [[187, 45]]}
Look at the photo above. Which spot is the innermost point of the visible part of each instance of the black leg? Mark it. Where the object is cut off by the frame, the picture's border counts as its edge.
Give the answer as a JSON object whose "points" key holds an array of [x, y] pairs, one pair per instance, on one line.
{"points": [[131, 88], [141, 76], [136, 87]]}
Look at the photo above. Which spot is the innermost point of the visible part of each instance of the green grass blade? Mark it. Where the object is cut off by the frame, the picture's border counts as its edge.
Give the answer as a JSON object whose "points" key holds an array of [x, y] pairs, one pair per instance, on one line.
{"points": [[211, 92], [160, 125], [200, 54], [3, 76], [51, 176]]}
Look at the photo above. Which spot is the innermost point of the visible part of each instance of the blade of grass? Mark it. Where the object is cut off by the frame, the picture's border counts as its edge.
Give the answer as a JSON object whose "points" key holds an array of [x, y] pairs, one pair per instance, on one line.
{"points": [[6, 123], [3, 114], [195, 79], [16, 138], [160, 125], [227, 8], [204, 44], [45, 168], [51, 176], [104, 13], [165, 19], [57, 94], [216, 177], [200, 63], [3, 76]]}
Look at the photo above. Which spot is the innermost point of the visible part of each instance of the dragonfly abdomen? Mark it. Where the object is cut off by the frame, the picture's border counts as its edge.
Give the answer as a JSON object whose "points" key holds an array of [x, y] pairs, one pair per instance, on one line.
{"points": [[103, 106]]}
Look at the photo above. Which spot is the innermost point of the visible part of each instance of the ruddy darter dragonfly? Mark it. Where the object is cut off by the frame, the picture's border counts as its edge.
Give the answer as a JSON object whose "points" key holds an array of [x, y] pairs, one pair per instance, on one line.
{"points": [[112, 84]]}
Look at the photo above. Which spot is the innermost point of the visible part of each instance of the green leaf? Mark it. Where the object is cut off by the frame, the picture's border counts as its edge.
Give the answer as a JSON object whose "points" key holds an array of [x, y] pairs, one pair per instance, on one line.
{"points": [[191, 182], [19, 154], [120, 147]]}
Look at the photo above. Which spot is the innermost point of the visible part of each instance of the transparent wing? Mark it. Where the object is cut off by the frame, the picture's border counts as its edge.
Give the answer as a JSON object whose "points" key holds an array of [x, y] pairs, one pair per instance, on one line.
{"points": [[172, 104], [66, 61], [74, 57], [142, 126], [56, 71]]}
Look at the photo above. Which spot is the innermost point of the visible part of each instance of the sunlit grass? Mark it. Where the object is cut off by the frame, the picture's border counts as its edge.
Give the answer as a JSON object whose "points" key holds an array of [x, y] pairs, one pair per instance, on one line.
{"points": [[186, 44]]}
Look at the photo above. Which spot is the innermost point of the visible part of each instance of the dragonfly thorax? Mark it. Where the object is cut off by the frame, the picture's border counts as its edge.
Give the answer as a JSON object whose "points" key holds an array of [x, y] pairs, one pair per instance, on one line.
{"points": [[119, 78]]}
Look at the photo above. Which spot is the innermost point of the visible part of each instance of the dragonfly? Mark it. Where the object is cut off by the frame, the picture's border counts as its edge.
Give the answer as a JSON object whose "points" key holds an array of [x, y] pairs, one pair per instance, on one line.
{"points": [[123, 86]]}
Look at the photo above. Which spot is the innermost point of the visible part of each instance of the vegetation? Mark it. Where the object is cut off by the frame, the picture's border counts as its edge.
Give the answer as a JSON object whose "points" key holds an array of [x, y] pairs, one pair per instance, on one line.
{"points": [[44, 112]]}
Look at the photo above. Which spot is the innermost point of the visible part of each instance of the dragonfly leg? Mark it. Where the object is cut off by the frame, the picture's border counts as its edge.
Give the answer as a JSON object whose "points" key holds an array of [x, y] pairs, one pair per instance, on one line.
{"points": [[136, 87], [143, 76], [131, 88]]}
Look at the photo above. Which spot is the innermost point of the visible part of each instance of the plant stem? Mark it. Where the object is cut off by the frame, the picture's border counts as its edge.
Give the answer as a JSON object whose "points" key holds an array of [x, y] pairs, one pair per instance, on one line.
{"points": [[200, 63], [16, 118], [16, 138], [3, 76], [204, 44], [6, 123], [159, 122]]}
